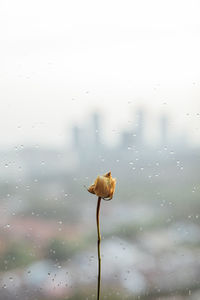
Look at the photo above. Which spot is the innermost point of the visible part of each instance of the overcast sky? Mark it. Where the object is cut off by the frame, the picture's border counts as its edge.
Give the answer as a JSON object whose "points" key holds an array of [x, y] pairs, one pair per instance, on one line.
{"points": [[61, 60]]}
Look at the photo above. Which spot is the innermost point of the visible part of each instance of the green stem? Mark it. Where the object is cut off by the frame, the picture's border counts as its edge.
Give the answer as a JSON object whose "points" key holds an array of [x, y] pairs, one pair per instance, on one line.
{"points": [[98, 248]]}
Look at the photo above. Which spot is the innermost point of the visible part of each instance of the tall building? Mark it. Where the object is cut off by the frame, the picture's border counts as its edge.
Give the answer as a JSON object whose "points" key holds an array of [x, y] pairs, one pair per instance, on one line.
{"points": [[76, 137], [96, 128], [164, 125], [139, 130]]}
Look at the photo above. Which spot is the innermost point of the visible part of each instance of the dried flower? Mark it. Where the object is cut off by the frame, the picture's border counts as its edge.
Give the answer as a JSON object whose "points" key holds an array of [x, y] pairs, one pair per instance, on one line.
{"points": [[104, 186]]}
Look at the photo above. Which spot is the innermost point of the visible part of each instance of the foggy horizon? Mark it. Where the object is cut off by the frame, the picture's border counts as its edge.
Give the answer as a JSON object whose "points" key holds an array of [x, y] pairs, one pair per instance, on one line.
{"points": [[60, 63]]}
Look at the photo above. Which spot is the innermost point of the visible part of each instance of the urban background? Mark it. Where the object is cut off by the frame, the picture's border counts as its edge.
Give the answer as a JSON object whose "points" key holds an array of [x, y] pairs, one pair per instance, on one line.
{"points": [[150, 229]]}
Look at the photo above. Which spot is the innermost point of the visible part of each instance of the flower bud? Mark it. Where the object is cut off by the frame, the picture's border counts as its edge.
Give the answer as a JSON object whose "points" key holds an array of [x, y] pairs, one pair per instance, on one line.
{"points": [[104, 186]]}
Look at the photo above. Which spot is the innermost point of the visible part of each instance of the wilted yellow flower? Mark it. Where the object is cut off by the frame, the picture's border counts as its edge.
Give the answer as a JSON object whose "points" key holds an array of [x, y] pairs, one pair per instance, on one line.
{"points": [[104, 186]]}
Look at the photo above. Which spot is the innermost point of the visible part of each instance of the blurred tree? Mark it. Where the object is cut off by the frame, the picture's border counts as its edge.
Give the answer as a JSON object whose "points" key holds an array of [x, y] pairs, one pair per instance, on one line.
{"points": [[16, 255], [59, 250]]}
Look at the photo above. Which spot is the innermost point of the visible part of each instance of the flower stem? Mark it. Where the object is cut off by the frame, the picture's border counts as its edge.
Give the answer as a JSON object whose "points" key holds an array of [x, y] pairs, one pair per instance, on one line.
{"points": [[98, 248]]}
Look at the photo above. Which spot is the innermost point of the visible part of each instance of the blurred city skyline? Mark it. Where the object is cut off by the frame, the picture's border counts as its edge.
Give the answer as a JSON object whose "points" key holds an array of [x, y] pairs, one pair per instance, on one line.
{"points": [[57, 134]]}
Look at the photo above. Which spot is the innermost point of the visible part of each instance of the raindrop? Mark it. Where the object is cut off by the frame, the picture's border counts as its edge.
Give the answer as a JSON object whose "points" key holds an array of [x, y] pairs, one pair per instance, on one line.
{"points": [[6, 165]]}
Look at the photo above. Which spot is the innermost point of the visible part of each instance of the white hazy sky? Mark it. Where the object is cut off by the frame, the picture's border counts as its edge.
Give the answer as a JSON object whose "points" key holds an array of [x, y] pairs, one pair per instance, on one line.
{"points": [[61, 59]]}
